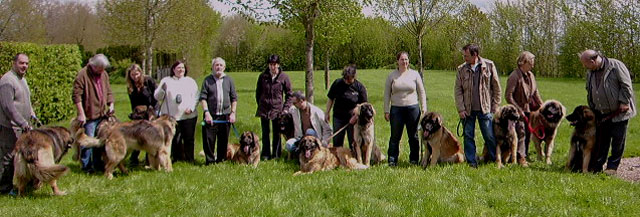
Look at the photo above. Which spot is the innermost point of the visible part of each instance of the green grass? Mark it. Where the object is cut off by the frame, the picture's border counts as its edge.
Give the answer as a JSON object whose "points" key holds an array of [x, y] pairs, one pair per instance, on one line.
{"points": [[271, 190]]}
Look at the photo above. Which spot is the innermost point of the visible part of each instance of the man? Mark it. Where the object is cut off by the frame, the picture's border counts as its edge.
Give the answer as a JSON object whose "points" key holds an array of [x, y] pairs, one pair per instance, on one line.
{"points": [[309, 119], [94, 101], [610, 96], [477, 95], [15, 111]]}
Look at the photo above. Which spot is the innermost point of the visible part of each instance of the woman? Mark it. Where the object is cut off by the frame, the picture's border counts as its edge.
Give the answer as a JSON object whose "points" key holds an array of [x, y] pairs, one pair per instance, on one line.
{"points": [[179, 95], [344, 94], [522, 92], [140, 88], [401, 93], [219, 99], [272, 84]]}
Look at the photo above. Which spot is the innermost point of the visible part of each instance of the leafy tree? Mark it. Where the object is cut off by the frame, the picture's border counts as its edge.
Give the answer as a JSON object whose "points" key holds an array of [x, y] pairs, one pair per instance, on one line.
{"points": [[22, 20]]}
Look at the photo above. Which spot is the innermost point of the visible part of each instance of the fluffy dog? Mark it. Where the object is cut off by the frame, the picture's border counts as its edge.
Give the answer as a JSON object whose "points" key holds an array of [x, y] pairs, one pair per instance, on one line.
{"points": [[439, 143], [315, 157], [118, 138], [548, 119], [142, 112], [286, 125], [504, 129], [247, 152], [36, 155], [363, 135], [583, 138]]}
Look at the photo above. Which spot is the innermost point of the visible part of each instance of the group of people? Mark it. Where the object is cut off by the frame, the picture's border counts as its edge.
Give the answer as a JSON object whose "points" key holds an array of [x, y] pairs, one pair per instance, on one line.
{"points": [[477, 94]]}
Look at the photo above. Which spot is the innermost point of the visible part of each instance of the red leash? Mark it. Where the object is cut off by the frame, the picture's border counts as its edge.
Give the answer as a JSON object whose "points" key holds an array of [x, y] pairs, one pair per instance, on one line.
{"points": [[535, 131]]}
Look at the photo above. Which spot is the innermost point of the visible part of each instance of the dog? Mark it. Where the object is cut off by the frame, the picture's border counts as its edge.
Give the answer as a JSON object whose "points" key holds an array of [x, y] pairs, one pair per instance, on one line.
{"points": [[247, 152], [504, 128], [547, 118], [36, 157], [118, 138], [582, 139], [315, 157], [286, 125], [363, 135], [439, 143], [142, 112]]}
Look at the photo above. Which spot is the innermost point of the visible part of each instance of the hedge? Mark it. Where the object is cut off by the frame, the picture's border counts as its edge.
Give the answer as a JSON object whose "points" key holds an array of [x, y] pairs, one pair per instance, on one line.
{"points": [[52, 70]]}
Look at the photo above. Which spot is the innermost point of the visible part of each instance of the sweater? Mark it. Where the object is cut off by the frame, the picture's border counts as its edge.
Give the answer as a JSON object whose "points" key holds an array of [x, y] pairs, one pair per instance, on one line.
{"points": [[15, 101], [403, 89], [184, 87]]}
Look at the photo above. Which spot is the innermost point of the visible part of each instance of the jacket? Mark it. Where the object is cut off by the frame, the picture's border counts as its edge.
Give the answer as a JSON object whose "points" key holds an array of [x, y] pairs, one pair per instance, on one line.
{"points": [[84, 91], [321, 127], [209, 93], [269, 94], [618, 89], [489, 87], [520, 94]]}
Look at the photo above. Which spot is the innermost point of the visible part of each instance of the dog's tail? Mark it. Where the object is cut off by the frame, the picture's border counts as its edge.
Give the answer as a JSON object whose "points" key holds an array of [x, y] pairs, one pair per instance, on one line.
{"points": [[30, 154], [84, 141], [47, 173]]}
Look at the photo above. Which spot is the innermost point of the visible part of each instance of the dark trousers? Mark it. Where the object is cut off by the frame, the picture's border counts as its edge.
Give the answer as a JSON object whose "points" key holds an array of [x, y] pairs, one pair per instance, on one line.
{"points": [[609, 134], [269, 151], [524, 136], [338, 140], [183, 141], [211, 133], [8, 139], [401, 116]]}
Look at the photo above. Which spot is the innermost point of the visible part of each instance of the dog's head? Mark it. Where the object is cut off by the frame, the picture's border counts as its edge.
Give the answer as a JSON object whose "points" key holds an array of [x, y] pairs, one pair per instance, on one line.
{"points": [[285, 120], [581, 116], [365, 113], [552, 111], [142, 112], [307, 146], [507, 117], [430, 123], [249, 142]]}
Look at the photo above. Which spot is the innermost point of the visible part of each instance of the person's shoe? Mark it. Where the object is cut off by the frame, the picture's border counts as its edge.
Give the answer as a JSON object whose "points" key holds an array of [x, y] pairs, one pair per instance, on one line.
{"points": [[414, 162], [474, 166], [392, 162], [523, 162], [610, 172], [13, 193]]}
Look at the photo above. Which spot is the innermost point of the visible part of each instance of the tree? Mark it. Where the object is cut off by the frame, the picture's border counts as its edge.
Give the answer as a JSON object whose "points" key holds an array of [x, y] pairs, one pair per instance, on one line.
{"points": [[22, 20], [73, 23], [304, 12], [416, 17]]}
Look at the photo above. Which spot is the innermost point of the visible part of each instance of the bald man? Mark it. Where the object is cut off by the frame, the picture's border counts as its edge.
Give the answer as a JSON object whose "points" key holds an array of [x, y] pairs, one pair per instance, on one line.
{"points": [[610, 95]]}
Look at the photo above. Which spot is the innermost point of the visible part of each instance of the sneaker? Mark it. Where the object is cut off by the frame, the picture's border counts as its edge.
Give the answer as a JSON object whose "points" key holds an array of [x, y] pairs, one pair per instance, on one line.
{"points": [[610, 172]]}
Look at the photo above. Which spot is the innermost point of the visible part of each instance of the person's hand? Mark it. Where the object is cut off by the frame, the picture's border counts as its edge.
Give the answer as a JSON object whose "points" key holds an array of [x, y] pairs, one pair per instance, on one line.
{"points": [[26, 127], [353, 119], [624, 108], [81, 118], [188, 111], [164, 86], [112, 109], [232, 117], [386, 117], [462, 114], [207, 118]]}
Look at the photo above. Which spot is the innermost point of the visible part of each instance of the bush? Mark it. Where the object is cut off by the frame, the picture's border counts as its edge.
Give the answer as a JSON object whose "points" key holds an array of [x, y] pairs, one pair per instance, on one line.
{"points": [[52, 70], [118, 70]]}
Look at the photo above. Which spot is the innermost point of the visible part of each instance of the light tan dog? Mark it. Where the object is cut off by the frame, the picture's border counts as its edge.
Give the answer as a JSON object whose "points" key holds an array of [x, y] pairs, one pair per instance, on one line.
{"points": [[437, 138], [583, 139], [547, 119], [504, 129], [247, 152], [36, 157], [364, 135], [315, 157]]}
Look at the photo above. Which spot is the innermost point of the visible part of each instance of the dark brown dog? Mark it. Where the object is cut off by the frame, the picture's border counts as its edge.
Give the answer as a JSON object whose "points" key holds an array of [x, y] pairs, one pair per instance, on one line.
{"points": [[547, 118], [286, 126], [439, 143], [36, 157], [142, 112], [363, 135], [583, 138], [247, 152], [504, 129], [315, 157]]}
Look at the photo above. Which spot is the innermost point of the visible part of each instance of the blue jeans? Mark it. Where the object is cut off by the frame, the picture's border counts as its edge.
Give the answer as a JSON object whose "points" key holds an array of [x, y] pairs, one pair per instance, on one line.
{"points": [[91, 158], [290, 144], [399, 117], [486, 127]]}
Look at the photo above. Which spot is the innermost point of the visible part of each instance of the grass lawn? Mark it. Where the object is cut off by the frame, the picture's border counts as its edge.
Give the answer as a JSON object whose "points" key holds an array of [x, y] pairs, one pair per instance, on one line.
{"points": [[271, 190]]}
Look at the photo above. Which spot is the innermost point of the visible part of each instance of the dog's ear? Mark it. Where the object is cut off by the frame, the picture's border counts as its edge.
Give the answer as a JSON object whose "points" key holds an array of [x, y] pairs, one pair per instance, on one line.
{"points": [[356, 110], [318, 142]]}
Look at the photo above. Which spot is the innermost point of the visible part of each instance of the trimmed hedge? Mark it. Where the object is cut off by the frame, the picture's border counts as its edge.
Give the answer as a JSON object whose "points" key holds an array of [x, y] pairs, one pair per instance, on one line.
{"points": [[52, 70]]}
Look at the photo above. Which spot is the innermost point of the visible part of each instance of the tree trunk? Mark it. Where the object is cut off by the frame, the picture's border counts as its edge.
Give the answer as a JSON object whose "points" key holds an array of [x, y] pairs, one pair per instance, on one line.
{"points": [[326, 69], [149, 60], [310, 37], [420, 57]]}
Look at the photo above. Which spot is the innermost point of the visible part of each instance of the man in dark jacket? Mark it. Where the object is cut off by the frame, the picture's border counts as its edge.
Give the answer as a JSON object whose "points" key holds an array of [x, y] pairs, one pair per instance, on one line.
{"points": [[272, 84]]}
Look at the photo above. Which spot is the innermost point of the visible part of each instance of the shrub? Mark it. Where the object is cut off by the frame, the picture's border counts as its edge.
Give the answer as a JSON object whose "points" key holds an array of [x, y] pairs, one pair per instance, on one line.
{"points": [[118, 70], [52, 70]]}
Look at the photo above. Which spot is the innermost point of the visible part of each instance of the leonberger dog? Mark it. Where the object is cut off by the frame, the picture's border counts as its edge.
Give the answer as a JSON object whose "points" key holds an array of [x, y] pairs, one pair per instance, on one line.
{"points": [[439, 143], [247, 152], [285, 121], [583, 139], [153, 137], [36, 157], [504, 129], [363, 135], [315, 157], [143, 112], [546, 120]]}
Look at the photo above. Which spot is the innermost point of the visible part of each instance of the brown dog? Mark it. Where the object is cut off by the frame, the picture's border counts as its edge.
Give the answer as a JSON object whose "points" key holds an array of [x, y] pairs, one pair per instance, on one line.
{"points": [[142, 112], [36, 155], [439, 143], [364, 135], [504, 129], [247, 152], [583, 138], [118, 138], [547, 119], [315, 157]]}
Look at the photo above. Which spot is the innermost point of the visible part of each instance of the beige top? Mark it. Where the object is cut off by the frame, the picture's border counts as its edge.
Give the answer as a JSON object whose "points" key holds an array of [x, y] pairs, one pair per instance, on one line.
{"points": [[403, 89]]}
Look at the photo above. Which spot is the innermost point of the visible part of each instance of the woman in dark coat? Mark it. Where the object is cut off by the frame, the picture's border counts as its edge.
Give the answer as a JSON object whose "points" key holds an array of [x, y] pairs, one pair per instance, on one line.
{"points": [[140, 88], [272, 85]]}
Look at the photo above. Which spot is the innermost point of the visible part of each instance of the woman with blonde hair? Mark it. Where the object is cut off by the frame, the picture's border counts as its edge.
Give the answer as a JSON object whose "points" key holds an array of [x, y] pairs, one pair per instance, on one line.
{"points": [[140, 88]]}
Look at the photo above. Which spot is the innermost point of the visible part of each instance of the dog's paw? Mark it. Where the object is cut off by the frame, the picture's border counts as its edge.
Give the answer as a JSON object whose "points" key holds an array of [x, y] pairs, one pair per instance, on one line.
{"points": [[500, 165], [60, 193], [549, 161]]}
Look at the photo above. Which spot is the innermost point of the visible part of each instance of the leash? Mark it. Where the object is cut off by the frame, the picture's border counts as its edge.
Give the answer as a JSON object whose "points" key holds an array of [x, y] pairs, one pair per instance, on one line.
{"points": [[336, 133], [535, 131], [233, 126], [463, 122], [164, 101]]}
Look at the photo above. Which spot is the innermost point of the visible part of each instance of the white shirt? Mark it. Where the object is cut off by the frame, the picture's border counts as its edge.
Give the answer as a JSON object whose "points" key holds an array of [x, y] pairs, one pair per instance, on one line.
{"points": [[220, 95], [187, 88]]}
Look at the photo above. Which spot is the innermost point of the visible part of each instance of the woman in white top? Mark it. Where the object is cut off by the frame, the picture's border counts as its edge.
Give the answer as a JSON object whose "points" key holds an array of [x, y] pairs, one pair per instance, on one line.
{"points": [[178, 96], [402, 91]]}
